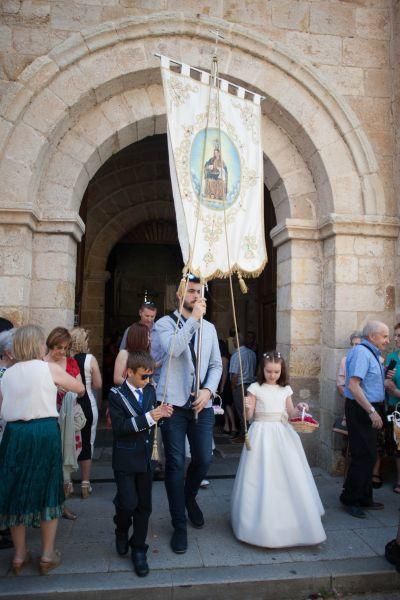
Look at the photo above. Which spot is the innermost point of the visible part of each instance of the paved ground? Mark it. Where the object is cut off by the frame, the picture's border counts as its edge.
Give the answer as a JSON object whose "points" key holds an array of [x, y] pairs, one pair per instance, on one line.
{"points": [[351, 556]]}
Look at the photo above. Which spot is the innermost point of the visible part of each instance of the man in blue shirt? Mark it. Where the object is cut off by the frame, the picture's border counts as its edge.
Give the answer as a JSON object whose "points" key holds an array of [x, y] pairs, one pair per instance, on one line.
{"points": [[193, 417], [364, 391]]}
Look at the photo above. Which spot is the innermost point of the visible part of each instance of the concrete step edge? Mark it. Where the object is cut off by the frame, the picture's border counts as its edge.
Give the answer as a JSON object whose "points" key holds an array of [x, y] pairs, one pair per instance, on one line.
{"points": [[283, 581]]}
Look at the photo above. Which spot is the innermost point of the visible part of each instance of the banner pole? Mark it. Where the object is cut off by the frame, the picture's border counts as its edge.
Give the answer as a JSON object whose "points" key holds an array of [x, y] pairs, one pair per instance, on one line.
{"points": [[198, 361]]}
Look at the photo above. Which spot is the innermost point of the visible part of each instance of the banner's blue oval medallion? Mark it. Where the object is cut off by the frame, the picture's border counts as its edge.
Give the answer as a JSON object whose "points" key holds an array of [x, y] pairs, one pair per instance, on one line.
{"points": [[219, 185]]}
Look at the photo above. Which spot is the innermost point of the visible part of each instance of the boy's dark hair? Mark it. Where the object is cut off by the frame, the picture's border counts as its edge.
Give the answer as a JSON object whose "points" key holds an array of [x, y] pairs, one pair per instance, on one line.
{"points": [[140, 360], [274, 357]]}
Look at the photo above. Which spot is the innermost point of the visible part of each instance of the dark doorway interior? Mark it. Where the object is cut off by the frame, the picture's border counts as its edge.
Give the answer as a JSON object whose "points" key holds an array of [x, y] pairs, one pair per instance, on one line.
{"points": [[148, 263]]}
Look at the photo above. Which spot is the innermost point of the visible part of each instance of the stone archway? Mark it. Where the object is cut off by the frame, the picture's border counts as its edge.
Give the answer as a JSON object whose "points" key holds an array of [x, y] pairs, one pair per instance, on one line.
{"points": [[100, 91]]}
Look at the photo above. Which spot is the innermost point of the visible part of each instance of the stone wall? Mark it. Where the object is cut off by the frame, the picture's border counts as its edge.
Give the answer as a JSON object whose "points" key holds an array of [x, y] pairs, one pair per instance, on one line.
{"points": [[347, 42]]}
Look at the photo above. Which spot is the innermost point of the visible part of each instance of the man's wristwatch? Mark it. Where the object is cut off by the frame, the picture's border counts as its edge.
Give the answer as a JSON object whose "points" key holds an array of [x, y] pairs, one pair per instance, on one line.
{"points": [[370, 412]]}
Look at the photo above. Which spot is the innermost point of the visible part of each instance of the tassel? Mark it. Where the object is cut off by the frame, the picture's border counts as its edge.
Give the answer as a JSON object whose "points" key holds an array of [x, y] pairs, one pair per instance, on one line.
{"points": [[247, 441], [242, 285], [181, 288], [154, 455]]}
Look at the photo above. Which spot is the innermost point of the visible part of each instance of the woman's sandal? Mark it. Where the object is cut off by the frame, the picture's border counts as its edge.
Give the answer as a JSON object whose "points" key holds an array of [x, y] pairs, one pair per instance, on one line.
{"points": [[68, 514], [376, 481], [18, 564], [86, 489], [396, 488], [45, 566]]}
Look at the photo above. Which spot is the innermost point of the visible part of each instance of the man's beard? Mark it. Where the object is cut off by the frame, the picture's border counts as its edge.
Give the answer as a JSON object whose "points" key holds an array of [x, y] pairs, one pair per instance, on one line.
{"points": [[187, 306]]}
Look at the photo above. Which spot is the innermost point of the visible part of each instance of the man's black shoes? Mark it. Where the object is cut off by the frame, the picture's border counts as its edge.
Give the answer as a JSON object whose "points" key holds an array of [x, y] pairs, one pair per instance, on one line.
{"points": [[179, 541], [194, 513], [139, 560], [355, 511], [373, 505], [121, 542]]}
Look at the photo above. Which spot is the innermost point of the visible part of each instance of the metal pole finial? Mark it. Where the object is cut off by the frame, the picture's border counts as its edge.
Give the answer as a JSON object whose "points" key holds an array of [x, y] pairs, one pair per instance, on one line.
{"points": [[218, 36]]}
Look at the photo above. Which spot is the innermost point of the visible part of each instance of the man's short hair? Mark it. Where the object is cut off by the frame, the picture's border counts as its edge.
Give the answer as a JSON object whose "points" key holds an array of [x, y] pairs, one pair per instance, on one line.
{"points": [[193, 278], [148, 304], [140, 360], [372, 327]]}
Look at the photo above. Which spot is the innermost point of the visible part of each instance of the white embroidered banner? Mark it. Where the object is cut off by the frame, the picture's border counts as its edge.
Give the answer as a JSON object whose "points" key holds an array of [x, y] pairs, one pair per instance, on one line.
{"points": [[217, 174]]}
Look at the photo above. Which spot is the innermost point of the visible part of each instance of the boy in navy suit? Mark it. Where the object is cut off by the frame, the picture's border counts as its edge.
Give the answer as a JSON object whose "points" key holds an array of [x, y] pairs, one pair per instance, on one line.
{"points": [[133, 413]]}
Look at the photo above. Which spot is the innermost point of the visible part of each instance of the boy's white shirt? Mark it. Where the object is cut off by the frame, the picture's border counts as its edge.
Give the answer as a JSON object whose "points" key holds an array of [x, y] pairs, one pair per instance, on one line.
{"points": [[148, 416]]}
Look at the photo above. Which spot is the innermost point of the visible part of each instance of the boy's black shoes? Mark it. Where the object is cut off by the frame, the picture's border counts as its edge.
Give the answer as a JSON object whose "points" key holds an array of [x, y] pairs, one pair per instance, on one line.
{"points": [[140, 562], [194, 513], [179, 541], [392, 554], [121, 542]]}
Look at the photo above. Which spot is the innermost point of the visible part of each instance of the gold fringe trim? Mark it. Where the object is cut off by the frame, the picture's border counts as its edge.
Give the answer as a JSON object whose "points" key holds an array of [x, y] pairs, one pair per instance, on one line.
{"points": [[247, 441], [224, 274]]}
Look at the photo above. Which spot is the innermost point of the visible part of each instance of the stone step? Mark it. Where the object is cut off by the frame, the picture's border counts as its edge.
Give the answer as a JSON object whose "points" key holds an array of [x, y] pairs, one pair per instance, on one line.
{"points": [[329, 579]]}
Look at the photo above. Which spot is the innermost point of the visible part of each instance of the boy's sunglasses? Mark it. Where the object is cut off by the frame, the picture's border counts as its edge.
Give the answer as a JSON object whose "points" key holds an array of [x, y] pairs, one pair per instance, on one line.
{"points": [[147, 376]]}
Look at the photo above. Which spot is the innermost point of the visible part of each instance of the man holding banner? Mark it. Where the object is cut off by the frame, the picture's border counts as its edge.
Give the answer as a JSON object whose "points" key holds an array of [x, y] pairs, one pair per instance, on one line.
{"points": [[216, 166], [193, 417]]}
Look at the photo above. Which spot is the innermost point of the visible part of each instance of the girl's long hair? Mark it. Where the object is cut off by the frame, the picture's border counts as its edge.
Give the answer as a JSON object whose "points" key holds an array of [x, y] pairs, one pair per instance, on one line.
{"points": [[273, 357]]}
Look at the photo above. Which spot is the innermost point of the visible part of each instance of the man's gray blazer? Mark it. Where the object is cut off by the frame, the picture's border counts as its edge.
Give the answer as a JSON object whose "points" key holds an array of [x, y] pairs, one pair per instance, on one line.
{"points": [[182, 370]]}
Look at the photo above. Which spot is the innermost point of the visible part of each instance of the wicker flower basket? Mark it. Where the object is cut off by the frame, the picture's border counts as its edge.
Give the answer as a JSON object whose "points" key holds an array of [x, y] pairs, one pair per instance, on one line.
{"points": [[217, 405], [395, 418], [304, 424]]}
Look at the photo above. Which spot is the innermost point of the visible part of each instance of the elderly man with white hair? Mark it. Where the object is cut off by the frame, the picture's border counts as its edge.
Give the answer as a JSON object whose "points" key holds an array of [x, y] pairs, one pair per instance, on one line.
{"points": [[364, 390]]}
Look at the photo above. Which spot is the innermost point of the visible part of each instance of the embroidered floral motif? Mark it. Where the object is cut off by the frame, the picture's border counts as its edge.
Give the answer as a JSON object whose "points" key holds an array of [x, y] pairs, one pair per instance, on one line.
{"points": [[249, 244], [249, 119], [179, 91]]}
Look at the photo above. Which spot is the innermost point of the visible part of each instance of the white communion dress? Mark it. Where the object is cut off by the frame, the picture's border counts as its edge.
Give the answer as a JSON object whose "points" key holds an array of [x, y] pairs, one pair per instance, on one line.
{"points": [[275, 502]]}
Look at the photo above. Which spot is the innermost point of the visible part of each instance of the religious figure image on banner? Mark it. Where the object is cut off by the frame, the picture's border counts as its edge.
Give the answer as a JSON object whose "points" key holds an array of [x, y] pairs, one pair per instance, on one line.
{"points": [[221, 172], [216, 176]]}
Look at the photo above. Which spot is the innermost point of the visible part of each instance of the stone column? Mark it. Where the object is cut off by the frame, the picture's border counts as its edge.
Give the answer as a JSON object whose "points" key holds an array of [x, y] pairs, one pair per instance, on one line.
{"points": [[15, 268], [358, 285], [92, 309], [299, 265], [53, 280]]}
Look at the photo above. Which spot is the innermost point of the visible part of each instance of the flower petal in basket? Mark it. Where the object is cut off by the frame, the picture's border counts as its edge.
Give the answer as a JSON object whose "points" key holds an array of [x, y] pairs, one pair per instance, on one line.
{"points": [[304, 424]]}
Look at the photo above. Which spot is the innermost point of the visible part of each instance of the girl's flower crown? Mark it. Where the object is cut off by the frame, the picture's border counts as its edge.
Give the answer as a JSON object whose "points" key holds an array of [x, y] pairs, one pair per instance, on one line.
{"points": [[272, 355]]}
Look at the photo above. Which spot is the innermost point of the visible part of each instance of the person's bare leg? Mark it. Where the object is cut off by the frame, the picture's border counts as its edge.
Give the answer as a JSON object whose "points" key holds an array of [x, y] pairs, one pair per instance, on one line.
{"points": [[376, 473], [48, 530], [18, 535], [85, 469]]}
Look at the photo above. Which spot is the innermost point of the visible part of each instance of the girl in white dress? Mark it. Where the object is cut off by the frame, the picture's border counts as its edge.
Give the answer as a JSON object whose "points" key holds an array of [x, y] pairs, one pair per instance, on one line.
{"points": [[275, 502]]}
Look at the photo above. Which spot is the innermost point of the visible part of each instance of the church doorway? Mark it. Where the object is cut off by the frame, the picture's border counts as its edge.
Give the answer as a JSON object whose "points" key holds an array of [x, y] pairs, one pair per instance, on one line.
{"points": [[133, 187]]}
